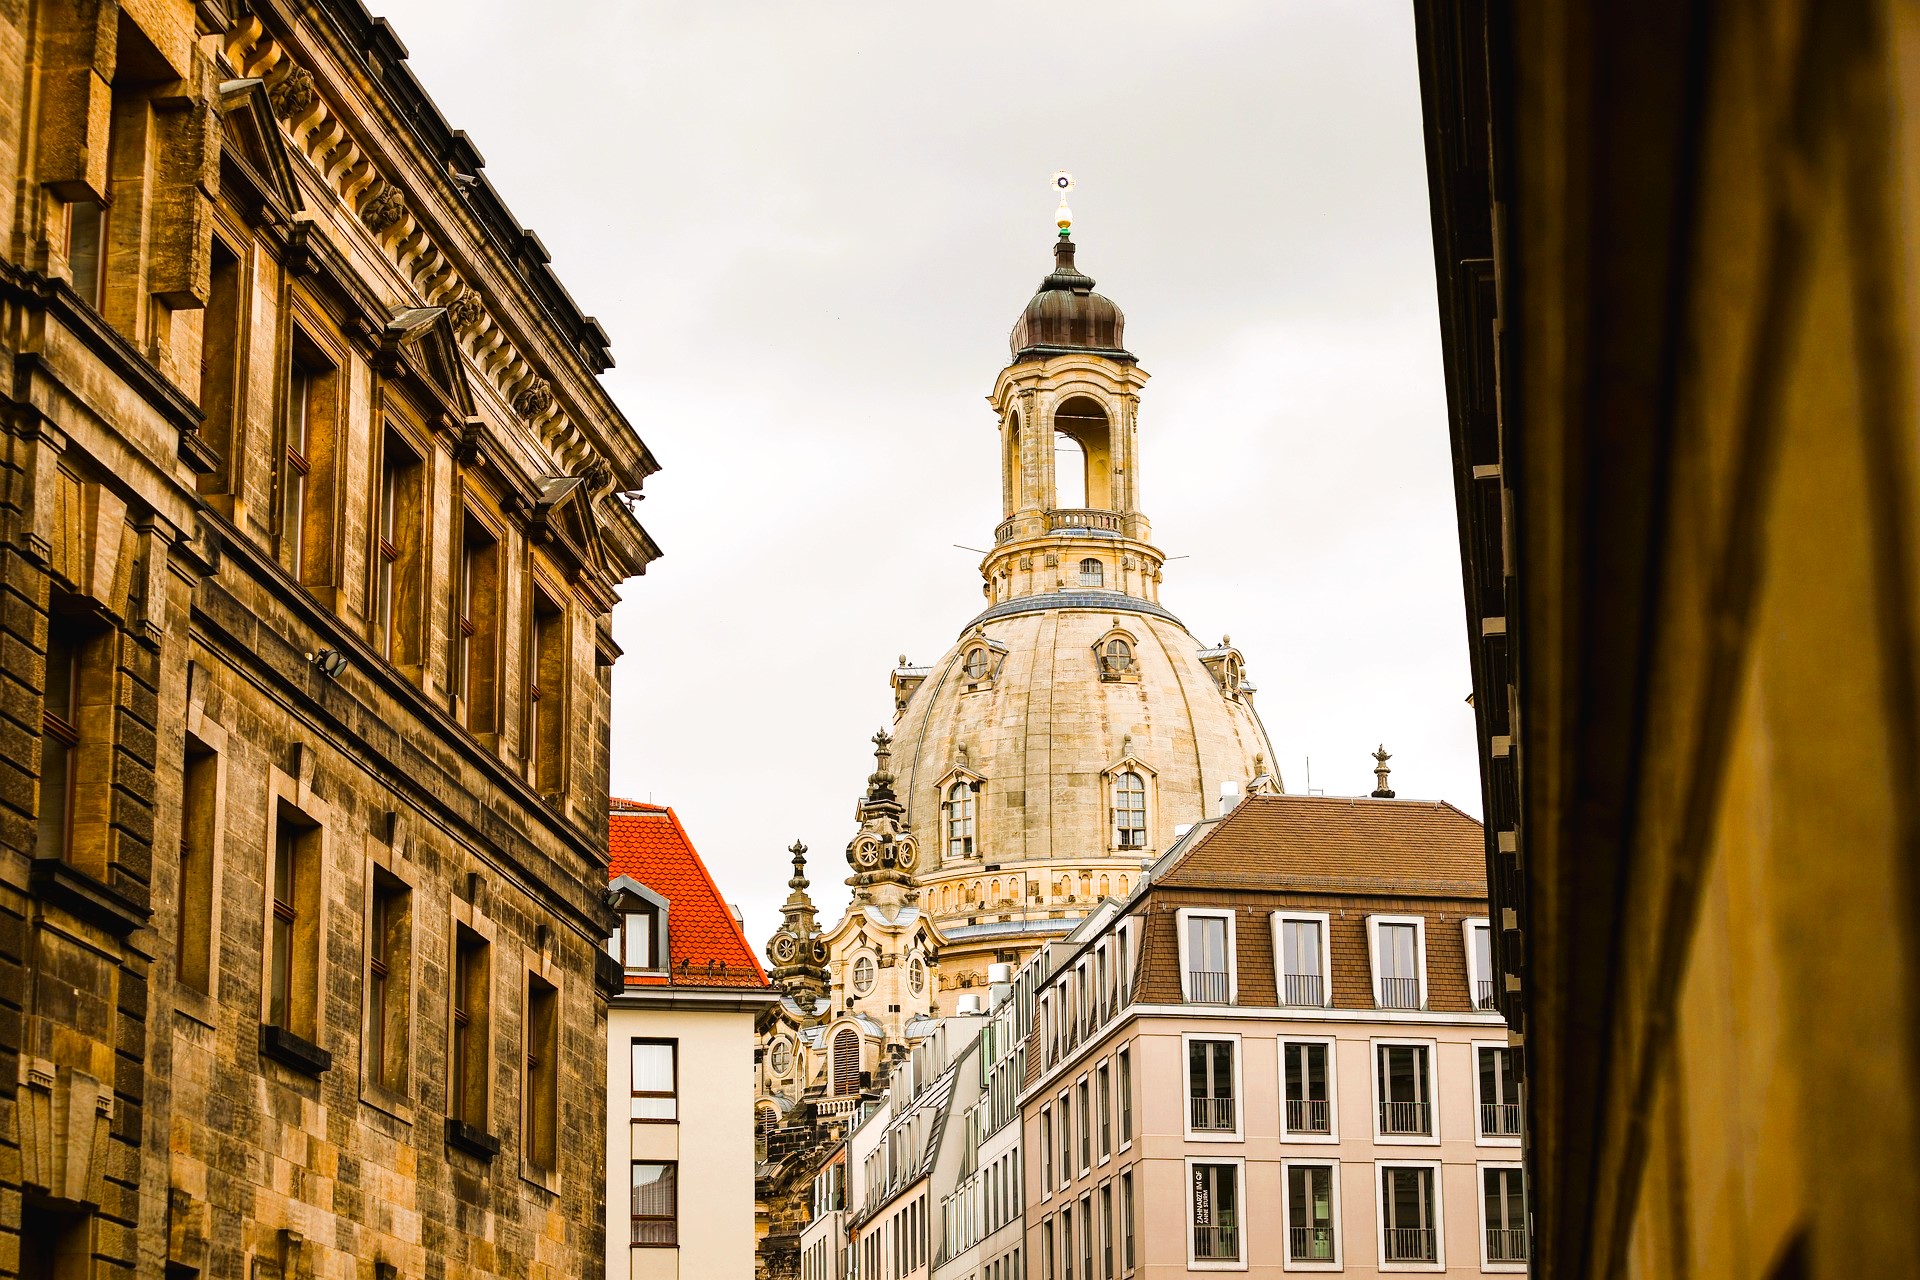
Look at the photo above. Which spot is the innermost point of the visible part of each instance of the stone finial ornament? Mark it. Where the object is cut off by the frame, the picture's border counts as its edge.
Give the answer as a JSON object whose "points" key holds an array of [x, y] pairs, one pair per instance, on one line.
{"points": [[1381, 791], [385, 209], [799, 882], [293, 95]]}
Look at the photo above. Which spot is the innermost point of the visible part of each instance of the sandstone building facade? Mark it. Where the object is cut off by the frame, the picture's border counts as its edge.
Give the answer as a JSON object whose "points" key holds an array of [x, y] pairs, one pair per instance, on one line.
{"points": [[1073, 728], [311, 532]]}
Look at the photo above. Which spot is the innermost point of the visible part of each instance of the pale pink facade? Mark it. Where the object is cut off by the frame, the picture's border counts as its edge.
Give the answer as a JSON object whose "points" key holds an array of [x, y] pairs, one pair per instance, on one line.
{"points": [[1287, 1075]]}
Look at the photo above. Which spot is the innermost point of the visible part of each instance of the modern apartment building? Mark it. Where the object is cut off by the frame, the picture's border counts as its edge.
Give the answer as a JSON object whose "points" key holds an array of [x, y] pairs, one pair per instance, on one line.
{"points": [[680, 1140], [1279, 1054], [907, 1148]]}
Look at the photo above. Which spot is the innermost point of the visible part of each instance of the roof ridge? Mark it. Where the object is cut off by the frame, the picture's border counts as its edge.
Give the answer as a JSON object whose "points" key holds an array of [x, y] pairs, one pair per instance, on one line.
{"points": [[726, 909]]}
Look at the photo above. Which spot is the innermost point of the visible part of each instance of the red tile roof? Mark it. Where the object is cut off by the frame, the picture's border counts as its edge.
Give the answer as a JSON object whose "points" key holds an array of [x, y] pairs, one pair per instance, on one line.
{"points": [[647, 842]]}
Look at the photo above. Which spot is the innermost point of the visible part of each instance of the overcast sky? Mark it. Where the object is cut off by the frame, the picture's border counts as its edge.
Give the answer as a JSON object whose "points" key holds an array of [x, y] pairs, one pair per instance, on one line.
{"points": [[808, 228]]}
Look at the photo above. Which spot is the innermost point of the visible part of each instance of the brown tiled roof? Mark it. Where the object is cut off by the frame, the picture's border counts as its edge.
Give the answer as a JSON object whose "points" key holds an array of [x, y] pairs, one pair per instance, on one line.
{"points": [[1339, 844]]}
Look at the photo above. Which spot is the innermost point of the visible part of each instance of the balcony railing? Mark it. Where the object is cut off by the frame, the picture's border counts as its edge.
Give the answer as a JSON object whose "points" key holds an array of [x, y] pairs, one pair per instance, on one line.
{"points": [[1506, 1245], [1309, 1115], [1217, 1244], [1310, 1244], [1500, 1119], [1304, 989], [1082, 518], [1406, 1117], [1207, 986], [1399, 993], [1483, 995], [1410, 1244], [1212, 1114]]}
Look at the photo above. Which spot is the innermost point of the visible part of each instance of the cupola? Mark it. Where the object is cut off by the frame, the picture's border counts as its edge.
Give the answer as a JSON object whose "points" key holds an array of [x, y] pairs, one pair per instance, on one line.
{"points": [[1066, 315]]}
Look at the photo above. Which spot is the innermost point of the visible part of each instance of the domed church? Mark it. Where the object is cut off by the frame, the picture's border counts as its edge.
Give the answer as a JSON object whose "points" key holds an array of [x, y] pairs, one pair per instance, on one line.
{"points": [[1072, 729]]}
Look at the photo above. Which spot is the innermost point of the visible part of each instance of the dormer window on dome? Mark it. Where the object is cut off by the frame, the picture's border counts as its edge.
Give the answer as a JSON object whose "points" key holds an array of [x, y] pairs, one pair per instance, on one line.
{"points": [[1117, 658], [1129, 811], [978, 663], [1114, 652], [959, 819]]}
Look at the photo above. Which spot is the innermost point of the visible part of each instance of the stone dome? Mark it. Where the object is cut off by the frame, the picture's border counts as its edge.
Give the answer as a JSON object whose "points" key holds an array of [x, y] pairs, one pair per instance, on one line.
{"points": [[1023, 711], [1067, 315]]}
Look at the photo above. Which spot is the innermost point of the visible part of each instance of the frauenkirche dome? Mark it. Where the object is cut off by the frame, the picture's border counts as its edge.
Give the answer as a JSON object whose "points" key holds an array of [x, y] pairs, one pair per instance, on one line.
{"points": [[1076, 724]]}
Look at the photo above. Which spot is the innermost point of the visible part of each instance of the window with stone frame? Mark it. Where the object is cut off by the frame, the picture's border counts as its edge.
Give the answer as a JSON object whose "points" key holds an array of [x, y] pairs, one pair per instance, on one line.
{"points": [[199, 796], [476, 627], [308, 463], [472, 1022], [540, 1037], [1092, 574], [398, 505], [60, 740], [546, 745], [389, 991], [293, 926], [220, 350]]}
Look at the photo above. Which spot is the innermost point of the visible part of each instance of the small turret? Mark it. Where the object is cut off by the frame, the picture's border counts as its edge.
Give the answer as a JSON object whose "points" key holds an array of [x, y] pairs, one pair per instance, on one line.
{"points": [[882, 853], [798, 953]]}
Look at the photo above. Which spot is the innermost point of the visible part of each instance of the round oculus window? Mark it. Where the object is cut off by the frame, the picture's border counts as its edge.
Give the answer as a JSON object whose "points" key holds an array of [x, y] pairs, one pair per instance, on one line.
{"points": [[863, 975], [917, 975], [780, 1057]]}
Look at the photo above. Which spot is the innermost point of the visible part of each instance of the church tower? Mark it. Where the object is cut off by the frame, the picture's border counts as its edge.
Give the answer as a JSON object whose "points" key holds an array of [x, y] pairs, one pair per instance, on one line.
{"points": [[1076, 725]]}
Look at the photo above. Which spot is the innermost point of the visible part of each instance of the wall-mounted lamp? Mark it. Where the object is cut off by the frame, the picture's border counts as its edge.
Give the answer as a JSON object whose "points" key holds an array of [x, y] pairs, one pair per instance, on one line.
{"points": [[328, 662]]}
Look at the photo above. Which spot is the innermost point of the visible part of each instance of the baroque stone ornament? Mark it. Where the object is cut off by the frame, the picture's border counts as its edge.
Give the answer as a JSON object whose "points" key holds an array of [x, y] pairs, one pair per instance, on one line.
{"points": [[385, 209], [533, 399], [466, 310], [293, 95]]}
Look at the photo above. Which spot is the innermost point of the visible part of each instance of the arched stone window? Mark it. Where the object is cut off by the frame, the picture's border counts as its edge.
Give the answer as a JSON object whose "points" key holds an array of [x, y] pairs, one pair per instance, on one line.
{"points": [[1091, 573], [1129, 811], [846, 1061], [960, 820], [862, 975]]}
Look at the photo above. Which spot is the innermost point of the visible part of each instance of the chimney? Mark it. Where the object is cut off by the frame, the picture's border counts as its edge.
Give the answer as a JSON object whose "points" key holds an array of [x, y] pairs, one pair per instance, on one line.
{"points": [[1229, 796]]}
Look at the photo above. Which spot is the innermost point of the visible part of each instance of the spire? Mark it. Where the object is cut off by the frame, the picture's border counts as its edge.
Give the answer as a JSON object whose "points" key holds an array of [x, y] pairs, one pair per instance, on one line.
{"points": [[798, 955], [1381, 791], [881, 852]]}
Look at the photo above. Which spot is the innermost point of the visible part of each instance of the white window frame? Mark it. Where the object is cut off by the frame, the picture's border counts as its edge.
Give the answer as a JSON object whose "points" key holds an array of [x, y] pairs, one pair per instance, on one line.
{"points": [[853, 973], [1044, 1150], [1433, 1092], [1063, 1136], [1329, 1161], [1480, 1213], [1419, 924], [1380, 1168], [1479, 1138], [1181, 919], [1240, 1206], [1333, 1089], [1084, 1120], [1322, 919], [1474, 976], [1239, 1131]]}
